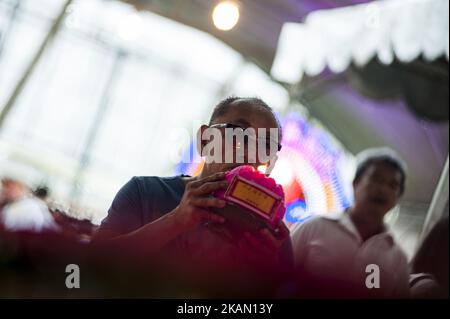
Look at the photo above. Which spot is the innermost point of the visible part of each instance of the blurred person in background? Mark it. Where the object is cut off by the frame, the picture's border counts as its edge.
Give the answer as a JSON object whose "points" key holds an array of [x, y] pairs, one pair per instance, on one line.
{"points": [[21, 210], [332, 253], [429, 267]]}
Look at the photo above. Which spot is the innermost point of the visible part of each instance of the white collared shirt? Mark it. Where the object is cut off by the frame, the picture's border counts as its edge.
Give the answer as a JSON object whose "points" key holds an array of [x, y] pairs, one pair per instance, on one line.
{"points": [[27, 214], [329, 249]]}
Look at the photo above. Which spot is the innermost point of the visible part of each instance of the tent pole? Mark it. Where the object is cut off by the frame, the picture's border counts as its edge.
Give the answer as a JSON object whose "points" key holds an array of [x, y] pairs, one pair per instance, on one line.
{"points": [[438, 203], [33, 63]]}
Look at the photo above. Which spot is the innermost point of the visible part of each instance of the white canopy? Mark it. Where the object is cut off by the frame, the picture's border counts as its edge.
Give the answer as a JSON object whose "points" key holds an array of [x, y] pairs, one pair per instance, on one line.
{"points": [[404, 29]]}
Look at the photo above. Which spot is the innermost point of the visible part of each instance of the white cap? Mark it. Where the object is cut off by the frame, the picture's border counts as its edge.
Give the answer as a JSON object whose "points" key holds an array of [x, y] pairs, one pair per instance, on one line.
{"points": [[381, 153]]}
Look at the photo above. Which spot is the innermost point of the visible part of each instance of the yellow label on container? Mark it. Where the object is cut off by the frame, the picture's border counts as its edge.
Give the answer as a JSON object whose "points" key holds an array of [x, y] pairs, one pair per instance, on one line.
{"points": [[254, 197]]}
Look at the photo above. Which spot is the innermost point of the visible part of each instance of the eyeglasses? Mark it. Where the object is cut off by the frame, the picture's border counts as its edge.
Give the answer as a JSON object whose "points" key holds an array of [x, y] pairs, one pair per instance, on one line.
{"points": [[270, 142]]}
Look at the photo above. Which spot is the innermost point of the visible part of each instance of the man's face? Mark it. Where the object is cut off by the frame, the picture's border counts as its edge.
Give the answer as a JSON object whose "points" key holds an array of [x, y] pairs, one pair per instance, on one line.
{"points": [[245, 115], [379, 188], [12, 190]]}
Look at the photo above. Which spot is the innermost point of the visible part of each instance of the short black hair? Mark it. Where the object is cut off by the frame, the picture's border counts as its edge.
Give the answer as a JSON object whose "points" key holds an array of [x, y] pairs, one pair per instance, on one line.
{"points": [[42, 192], [384, 156], [224, 106]]}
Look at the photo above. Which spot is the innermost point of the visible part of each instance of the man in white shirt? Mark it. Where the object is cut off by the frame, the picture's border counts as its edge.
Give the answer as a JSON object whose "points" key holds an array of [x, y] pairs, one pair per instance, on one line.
{"points": [[352, 254], [22, 211]]}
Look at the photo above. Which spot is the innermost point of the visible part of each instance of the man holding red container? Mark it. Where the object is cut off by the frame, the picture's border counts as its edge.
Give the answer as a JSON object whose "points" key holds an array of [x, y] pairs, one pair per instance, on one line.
{"points": [[180, 217]]}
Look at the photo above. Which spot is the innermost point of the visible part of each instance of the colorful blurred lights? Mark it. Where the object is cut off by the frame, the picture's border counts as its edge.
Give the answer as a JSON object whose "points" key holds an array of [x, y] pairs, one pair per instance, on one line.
{"points": [[297, 212], [282, 172]]}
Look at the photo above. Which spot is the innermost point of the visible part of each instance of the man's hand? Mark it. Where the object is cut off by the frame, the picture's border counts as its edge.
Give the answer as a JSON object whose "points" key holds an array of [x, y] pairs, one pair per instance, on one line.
{"points": [[266, 247], [194, 207]]}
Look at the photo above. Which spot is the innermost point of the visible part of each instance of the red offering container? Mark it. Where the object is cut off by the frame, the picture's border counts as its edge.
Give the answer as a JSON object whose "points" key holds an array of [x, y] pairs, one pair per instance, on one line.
{"points": [[254, 200]]}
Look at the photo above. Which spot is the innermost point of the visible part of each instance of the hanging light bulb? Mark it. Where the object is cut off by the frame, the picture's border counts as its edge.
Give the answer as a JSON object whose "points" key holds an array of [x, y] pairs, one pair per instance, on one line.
{"points": [[226, 15]]}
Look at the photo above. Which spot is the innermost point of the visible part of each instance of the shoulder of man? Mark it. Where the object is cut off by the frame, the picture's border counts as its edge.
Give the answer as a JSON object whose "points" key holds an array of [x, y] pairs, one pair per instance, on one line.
{"points": [[134, 203], [318, 220], [150, 183]]}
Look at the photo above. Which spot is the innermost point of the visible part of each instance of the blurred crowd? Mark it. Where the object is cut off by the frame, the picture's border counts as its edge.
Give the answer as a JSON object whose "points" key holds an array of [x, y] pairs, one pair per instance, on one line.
{"points": [[24, 207]]}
